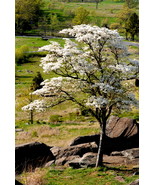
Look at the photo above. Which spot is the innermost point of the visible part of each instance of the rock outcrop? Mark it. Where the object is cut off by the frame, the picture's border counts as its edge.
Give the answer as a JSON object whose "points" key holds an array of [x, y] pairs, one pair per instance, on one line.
{"points": [[31, 155], [120, 147], [121, 134]]}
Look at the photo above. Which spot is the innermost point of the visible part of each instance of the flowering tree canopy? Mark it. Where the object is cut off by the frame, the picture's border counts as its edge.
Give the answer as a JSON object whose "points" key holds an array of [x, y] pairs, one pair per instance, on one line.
{"points": [[90, 72]]}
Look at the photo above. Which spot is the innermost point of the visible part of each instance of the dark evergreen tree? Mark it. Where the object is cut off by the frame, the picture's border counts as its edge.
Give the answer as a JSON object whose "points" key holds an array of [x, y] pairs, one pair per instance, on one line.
{"points": [[132, 25], [36, 82]]}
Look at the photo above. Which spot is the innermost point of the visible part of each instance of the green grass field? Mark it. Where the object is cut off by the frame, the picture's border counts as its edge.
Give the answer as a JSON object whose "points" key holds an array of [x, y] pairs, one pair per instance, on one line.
{"points": [[90, 176]]}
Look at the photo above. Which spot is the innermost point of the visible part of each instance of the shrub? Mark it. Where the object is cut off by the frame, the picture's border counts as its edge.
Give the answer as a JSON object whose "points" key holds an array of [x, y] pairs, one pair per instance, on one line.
{"points": [[85, 112], [55, 118], [21, 54], [34, 134], [36, 82]]}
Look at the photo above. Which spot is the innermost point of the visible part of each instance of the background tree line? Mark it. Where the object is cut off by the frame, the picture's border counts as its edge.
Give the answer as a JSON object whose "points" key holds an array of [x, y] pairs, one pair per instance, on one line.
{"points": [[35, 17]]}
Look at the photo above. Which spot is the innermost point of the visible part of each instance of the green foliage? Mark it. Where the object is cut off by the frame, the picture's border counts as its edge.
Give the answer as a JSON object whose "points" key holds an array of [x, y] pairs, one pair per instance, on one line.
{"points": [[132, 3], [132, 115], [36, 82], [21, 54], [55, 23], [64, 11], [27, 13], [55, 118], [132, 25], [34, 134], [118, 0], [81, 16], [123, 17], [115, 26], [105, 23], [85, 112]]}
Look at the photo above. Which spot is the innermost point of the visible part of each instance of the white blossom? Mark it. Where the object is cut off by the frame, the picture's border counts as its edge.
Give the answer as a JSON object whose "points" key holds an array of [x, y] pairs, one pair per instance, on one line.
{"points": [[97, 102], [38, 105], [92, 68]]}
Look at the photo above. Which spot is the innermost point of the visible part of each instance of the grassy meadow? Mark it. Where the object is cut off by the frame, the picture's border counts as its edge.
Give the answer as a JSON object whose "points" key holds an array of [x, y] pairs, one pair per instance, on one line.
{"points": [[89, 176]]}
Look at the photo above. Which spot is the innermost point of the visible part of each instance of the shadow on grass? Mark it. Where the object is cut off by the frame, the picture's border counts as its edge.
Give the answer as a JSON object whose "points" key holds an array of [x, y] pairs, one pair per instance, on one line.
{"points": [[24, 76], [119, 169]]}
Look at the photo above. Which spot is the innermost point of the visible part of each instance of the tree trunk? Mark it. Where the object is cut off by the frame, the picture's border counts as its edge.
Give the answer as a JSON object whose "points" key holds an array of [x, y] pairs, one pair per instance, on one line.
{"points": [[96, 5], [31, 116], [31, 111], [126, 35], [99, 161], [133, 37]]}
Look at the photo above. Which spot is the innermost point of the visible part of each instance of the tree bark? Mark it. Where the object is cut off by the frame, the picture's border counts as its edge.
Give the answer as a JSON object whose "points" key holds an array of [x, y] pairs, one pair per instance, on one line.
{"points": [[99, 161], [31, 116]]}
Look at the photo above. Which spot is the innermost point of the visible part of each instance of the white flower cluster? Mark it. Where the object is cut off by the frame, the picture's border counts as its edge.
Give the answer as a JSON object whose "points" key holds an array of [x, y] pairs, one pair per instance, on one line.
{"points": [[54, 46], [97, 102], [89, 34], [96, 67], [38, 105], [50, 87], [104, 87]]}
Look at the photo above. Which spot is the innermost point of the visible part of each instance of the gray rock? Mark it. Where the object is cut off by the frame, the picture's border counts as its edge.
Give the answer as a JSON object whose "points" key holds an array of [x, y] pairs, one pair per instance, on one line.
{"points": [[129, 153], [88, 160], [49, 163], [61, 161], [56, 150], [75, 163], [66, 160], [116, 153], [77, 150]]}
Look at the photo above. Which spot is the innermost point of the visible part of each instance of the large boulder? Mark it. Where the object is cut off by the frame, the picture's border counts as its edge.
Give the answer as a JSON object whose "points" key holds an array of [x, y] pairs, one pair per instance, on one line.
{"points": [[85, 139], [121, 127], [72, 154], [121, 134], [66, 160], [31, 155], [79, 150]]}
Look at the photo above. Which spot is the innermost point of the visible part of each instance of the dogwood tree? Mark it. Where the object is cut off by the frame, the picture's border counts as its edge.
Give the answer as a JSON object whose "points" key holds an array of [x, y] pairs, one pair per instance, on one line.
{"points": [[90, 72]]}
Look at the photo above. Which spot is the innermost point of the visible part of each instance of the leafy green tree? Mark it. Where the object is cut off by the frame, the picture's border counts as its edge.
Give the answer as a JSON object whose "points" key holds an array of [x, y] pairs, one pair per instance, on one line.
{"points": [[27, 13], [22, 54], [132, 25], [123, 17], [55, 23], [81, 16]]}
